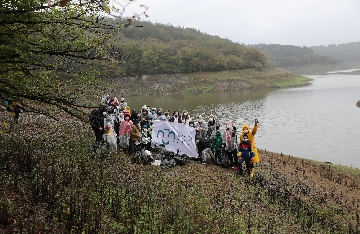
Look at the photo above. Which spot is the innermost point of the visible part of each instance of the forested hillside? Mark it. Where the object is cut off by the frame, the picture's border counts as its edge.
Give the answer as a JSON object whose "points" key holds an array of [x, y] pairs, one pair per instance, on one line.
{"points": [[148, 48], [349, 52], [289, 55]]}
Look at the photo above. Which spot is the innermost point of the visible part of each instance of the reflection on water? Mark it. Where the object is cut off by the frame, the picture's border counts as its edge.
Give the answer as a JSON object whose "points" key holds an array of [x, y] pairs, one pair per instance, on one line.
{"points": [[317, 122]]}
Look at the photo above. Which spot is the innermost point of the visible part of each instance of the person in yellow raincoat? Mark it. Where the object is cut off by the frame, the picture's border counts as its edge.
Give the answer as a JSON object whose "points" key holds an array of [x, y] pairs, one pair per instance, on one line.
{"points": [[250, 134]]}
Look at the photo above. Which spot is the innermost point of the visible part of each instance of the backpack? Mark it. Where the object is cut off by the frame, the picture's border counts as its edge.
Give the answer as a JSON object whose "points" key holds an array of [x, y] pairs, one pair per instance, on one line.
{"points": [[181, 159]]}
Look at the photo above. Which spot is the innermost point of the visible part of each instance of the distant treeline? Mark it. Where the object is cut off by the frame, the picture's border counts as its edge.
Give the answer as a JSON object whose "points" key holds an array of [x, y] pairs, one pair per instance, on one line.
{"points": [[148, 48], [349, 52], [290, 55]]}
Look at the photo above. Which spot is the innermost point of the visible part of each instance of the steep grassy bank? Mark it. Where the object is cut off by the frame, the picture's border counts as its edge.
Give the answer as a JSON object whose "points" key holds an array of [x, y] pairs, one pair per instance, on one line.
{"points": [[50, 183], [203, 82]]}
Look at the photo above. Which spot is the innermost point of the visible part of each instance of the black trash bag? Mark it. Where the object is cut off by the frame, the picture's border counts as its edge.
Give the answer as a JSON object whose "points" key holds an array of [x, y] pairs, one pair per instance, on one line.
{"points": [[169, 154], [157, 152], [163, 157], [159, 149], [168, 163], [164, 153], [223, 160], [181, 159], [156, 156], [142, 155], [169, 158], [187, 158], [172, 162], [149, 158]]}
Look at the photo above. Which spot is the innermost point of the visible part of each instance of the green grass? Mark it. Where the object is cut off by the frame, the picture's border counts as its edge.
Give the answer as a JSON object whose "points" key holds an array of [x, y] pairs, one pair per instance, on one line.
{"points": [[293, 81], [251, 78]]}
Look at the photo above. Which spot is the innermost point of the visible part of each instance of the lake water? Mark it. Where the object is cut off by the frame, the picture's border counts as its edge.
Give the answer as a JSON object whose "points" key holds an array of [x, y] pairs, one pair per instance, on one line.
{"points": [[320, 121]]}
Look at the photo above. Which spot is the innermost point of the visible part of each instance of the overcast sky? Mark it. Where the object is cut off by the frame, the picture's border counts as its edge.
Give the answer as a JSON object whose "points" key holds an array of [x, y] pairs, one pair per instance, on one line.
{"points": [[285, 22]]}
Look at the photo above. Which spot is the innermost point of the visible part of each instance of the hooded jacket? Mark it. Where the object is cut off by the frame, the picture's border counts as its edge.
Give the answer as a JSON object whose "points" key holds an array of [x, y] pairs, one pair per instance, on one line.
{"points": [[217, 143], [135, 134], [201, 130], [144, 113], [229, 140], [126, 126], [97, 119], [122, 105], [245, 150], [251, 138]]}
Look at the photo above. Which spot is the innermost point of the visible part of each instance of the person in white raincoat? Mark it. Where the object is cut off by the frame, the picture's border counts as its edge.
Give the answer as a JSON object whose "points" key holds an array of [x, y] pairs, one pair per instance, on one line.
{"points": [[110, 139]]}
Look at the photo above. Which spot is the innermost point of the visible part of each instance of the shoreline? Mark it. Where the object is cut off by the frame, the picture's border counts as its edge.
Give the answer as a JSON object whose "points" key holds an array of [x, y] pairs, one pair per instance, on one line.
{"points": [[314, 161], [206, 82]]}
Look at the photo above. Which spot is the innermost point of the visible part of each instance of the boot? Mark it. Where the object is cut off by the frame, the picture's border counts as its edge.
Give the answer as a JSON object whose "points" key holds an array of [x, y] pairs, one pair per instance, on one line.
{"points": [[251, 172]]}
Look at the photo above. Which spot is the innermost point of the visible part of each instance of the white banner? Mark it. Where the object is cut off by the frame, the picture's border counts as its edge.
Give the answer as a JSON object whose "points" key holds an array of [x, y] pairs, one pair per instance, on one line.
{"points": [[175, 136]]}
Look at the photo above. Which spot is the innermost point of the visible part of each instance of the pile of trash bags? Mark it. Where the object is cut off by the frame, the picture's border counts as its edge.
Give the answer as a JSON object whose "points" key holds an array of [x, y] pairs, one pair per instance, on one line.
{"points": [[160, 156]]}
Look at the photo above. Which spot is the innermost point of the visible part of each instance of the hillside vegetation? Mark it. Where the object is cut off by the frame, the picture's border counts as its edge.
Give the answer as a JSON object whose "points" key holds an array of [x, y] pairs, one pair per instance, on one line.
{"points": [[50, 183], [289, 55], [349, 52], [159, 49], [149, 48]]}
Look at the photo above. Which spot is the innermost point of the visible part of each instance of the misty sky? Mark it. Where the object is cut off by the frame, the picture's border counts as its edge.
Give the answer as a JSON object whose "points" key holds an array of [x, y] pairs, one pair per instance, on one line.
{"points": [[285, 22]]}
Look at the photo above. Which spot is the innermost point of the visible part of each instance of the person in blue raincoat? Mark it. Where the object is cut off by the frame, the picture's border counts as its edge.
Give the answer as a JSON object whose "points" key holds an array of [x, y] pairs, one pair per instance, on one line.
{"points": [[250, 133], [245, 155]]}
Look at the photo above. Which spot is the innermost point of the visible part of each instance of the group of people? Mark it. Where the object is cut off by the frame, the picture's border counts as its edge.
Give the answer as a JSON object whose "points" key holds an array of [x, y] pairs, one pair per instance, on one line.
{"points": [[115, 125], [238, 149]]}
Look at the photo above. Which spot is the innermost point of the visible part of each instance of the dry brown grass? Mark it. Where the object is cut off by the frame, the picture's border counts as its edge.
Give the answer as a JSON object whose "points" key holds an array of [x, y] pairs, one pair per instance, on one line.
{"points": [[50, 183]]}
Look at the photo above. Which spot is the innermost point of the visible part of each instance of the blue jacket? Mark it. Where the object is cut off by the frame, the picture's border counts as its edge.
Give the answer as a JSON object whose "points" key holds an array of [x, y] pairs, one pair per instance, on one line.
{"points": [[245, 149]]}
